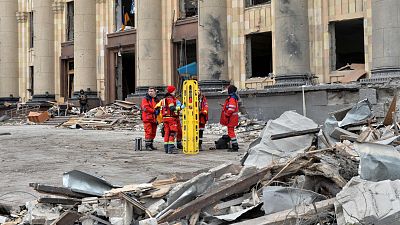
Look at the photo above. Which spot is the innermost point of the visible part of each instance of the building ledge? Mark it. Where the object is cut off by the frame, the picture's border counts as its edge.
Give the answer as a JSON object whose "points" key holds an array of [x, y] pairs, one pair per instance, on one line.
{"points": [[187, 20]]}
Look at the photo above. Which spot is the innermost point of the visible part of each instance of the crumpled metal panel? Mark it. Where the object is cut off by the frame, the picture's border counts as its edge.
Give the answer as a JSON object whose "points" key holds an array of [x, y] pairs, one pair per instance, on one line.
{"points": [[277, 199], [378, 162], [268, 151], [85, 183]]}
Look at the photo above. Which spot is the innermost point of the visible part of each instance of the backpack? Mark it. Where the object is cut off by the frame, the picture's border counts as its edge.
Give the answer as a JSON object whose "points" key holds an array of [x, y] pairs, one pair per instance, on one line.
{"points": [[223, 142]]}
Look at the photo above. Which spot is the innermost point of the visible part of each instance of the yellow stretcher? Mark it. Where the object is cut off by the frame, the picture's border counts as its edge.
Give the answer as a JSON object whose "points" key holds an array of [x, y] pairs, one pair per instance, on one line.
{"points": [[190, 115]]}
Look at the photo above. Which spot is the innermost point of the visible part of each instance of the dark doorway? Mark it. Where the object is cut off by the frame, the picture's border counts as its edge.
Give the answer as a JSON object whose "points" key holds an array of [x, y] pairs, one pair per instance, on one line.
{"points": [[259, 54], [349, 43], [185, 53], [125, 75]]}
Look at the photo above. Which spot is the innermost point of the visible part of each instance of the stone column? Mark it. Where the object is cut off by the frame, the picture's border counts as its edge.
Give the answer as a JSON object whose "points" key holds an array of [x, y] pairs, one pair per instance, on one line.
{"points": [[8, 51], [43, 50], [85, 46], [292, 49], [149, 48], [59, 37], [213, 45], [385, 38]]}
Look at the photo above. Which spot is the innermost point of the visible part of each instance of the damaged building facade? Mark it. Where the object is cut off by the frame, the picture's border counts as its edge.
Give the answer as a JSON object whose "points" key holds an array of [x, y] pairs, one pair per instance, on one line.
{"points": [[50, 49]]}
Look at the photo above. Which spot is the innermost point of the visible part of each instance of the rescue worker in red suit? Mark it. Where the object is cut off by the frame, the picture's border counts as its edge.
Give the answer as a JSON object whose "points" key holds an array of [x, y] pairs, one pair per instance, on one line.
{"points": [[170, 113], [203, 117], [230, 116], [149, 118]]}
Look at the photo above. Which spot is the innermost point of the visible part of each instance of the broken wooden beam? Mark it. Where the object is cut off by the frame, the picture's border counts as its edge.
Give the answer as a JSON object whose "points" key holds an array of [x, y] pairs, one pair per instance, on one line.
{"points": [[59, 191], [60, 201], [294, 133], [67, 218], [238, 186], [310, 212], [389, 115]]}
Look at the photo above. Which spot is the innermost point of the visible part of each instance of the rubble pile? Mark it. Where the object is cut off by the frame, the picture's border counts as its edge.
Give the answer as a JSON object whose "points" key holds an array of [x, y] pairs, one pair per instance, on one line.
{"points": [[120, 115], [248, 129], [295, 172]]}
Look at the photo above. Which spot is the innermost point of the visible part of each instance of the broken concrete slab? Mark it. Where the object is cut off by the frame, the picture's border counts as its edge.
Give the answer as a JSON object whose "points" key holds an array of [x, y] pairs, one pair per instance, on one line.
{"points": [[269, 151], [378, 162], [366, 202]]}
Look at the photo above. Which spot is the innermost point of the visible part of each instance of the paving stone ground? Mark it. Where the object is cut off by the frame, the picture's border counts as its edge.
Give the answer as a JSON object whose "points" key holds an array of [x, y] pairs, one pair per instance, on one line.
{"points": [[41, 154]]}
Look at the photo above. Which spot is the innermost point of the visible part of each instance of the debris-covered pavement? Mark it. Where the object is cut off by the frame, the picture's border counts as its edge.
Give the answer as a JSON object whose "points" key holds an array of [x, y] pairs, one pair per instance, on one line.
{"points": [[296, 171]]}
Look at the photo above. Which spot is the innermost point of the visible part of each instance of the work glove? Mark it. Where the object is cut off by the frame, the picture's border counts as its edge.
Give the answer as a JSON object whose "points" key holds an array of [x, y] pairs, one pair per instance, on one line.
{"points": [[172, 108]]}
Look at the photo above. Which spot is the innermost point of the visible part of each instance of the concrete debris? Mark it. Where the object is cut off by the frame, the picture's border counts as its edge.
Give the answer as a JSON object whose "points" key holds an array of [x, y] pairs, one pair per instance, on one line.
{"points": [[286, 177], [366, 202]]}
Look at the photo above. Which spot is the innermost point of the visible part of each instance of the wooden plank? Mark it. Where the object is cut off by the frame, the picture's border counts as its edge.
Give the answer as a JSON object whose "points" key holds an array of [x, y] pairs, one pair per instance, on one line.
{"points": [[61, 201], [135, 203], [67, 218], [60, 191], [389, 118], [294, 133], [305, 213]]}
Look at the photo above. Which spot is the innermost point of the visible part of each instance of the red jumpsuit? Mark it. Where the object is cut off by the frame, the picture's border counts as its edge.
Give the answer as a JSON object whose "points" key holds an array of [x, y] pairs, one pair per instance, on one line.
{"points": [[203, 116], [149, 117], [170, 120], [230, 116]]}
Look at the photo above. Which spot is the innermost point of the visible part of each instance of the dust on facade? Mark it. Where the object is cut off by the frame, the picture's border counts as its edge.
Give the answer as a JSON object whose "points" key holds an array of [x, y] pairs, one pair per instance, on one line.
{"points": [[50, 49]]}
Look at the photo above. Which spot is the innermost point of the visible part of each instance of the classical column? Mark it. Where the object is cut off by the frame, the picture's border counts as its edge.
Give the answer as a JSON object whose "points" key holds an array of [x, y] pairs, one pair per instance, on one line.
{"points": [[292, 49], [149, 49], [23, 45], [59, 37], [8, 51], [43, 50], [213, 45], [385, 38], [85, 46]]}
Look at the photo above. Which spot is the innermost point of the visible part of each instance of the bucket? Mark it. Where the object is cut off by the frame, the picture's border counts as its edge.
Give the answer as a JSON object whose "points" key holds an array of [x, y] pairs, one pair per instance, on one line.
{"points": [[138, 144]]}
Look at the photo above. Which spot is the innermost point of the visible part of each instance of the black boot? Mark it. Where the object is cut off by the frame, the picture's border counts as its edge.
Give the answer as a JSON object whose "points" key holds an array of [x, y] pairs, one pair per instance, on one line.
{"points": [[166, 148], [200, 143], [171, 149], [235, 146], [152, 145], [179, 145], [148, 145]]}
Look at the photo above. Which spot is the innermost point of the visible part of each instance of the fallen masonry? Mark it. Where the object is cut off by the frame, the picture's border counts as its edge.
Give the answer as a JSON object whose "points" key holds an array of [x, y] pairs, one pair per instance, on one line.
{"points": [[295, 172]]}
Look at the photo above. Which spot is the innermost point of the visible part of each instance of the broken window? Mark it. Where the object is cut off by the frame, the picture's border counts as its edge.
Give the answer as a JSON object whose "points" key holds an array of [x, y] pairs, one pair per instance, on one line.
{"points": [[259, 54], [188, 8], [31, 34], [347, 43], [70, 21], [256, 2], [125, 14]]}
